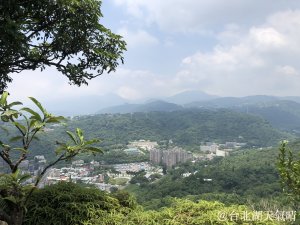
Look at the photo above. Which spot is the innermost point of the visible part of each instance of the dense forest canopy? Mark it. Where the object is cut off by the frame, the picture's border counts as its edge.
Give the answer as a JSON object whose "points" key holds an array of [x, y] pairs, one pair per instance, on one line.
{"points": [[187, 128]]}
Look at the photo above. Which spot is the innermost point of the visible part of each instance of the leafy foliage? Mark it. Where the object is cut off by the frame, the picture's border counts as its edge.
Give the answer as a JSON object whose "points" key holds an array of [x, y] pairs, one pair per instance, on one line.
{"points": [[13, 193], [289, 169], [185, 128], [246, 177], [65, 34], [68, 203]]}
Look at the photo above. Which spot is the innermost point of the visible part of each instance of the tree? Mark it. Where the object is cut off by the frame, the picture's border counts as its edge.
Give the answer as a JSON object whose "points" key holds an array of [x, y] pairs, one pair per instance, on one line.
{"points": [[65, 34], [68, 203], [289, 170], [14, 194]]}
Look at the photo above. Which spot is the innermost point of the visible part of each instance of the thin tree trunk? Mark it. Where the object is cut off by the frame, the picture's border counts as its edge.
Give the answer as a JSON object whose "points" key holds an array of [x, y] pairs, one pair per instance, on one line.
{"points": [[17, 216]]}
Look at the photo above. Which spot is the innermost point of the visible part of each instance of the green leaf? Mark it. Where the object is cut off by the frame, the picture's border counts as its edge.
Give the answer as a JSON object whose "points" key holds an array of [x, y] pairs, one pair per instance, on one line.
{"points": [[94, 149], [10, 113], [4, 145], [79, 134], [38, 124], [34, 114], [32, 122], [24, 178], [72, 136], [3, 99], [55, 119], [20, 126], [89, 142], [15, 174], [16, 138], [14, 103], [39, 105], [11, 199], [21, 149], [29, 187], [4, 118]]}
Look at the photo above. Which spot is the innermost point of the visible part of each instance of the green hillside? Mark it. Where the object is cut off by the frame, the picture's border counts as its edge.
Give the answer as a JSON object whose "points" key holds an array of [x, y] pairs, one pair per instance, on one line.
{"points": [[68, 203], [186, 128], [246, 177]]}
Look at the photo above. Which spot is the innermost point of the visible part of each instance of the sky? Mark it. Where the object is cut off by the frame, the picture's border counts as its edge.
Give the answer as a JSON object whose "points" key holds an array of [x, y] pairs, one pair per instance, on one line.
{"points": [[225, 48]]}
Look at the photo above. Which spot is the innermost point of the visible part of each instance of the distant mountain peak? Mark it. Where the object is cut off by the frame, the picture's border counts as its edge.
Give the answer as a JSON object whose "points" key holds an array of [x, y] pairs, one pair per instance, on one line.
{"points": [[190, 96]]}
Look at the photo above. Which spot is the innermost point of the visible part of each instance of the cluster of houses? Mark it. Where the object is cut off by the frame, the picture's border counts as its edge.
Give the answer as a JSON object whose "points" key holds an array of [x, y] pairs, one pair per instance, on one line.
{"points": [[84, 173], [87, 173], [213, 149]]}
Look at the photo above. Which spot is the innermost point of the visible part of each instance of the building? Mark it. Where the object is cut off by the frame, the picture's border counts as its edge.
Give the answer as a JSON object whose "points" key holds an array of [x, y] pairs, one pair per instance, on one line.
{"points": [[170, 157], [209, 147], [156, 156], [39, 163], [79, 162], [40, 159], [143, 144], [222, 153]]}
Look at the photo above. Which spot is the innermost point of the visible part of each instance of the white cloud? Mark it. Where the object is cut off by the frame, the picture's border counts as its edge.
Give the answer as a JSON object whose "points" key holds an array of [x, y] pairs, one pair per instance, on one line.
{"points": [[133, 7], [201, 15], [128, 93], [51, 86], [267, 38], [137, 38], [260, 61], [256, 58], [286, 70]]}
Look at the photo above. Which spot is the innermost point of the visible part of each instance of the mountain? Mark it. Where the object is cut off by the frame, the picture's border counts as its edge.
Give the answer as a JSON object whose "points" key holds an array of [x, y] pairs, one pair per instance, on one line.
{"points": [[291, 98], [185, 127], [189, 96], [168, 104], [282, 114], [152, 106], [226, 102]]}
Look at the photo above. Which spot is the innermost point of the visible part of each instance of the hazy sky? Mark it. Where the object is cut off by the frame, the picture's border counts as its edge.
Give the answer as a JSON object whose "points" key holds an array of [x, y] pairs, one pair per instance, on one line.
{"points": [[226, 48]]}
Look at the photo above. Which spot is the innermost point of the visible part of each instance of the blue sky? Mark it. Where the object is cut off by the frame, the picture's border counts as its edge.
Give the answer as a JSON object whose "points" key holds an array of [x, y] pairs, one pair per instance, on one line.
{"points": [[226, 48]]}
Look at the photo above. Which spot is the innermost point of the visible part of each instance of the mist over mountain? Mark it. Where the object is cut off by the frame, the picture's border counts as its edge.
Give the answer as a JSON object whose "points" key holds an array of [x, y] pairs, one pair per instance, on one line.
{"points": [[280, 112], [190, 96], [225, 102], [151, 106]]}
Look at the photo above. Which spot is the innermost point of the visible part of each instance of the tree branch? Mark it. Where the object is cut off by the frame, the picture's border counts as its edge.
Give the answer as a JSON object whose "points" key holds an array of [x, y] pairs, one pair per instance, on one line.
{"points": [[6, 158], [23, 157], [38, 179]]}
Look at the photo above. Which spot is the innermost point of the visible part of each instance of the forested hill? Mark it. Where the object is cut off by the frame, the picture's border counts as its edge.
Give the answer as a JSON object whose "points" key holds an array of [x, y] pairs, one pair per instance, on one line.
{"points": [[282, 112], [185, 127]]}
